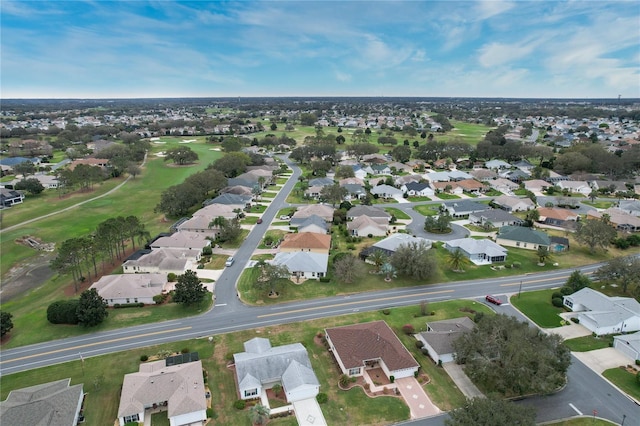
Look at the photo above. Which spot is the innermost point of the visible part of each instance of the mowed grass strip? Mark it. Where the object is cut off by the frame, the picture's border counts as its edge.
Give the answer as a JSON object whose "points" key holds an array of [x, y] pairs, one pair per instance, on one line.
{"points": [[102, 376], [624, 380], [537, 306], [589, 343]]}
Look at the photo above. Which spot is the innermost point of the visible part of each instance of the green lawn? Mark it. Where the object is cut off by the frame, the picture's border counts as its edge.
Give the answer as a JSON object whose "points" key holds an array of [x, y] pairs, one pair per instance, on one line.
{"points": [[102, 376], [250, 220], [589, 343], [468, 132], [418, 199], [445, 196], [599, 204], [624, 380], [160, 419], [399, 214], [537, 306], [428, 210], [582, 421]]}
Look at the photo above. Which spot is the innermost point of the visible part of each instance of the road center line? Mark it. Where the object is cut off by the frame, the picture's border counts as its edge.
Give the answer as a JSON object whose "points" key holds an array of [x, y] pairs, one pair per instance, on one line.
{"points": [[355, 303], [87, 345]]}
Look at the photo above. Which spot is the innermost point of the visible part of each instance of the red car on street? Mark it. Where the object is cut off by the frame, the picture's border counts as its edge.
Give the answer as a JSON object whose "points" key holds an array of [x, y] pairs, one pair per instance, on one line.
{"points": [[493, 299]]}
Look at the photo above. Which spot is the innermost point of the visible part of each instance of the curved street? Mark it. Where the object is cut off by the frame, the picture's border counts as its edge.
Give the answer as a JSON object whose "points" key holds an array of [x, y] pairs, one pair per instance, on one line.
{"points": [[230, 314]]}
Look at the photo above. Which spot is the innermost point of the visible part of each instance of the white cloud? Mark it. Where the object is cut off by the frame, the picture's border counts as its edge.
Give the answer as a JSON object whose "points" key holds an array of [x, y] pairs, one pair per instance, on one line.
{"points": [[495, 54], [489, 8], [342, 76]]}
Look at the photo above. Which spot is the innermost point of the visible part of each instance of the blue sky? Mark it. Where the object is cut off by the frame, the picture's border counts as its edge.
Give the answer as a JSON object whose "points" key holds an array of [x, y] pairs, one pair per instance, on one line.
{"points": [[111, 49]]}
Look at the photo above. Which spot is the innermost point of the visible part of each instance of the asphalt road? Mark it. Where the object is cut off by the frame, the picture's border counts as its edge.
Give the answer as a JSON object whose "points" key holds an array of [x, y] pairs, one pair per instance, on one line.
{"points": [[585, 391]]}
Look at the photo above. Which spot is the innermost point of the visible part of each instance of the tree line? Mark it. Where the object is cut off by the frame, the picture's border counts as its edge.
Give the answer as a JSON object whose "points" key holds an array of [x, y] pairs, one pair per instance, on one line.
{"points": [[79, 256]]}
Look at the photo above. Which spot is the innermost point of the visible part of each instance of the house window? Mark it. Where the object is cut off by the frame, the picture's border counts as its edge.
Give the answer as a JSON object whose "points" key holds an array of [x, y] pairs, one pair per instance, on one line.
{"points": [[517, 243], [133, 418], [354, 371], [568, 303], [250, 392]]}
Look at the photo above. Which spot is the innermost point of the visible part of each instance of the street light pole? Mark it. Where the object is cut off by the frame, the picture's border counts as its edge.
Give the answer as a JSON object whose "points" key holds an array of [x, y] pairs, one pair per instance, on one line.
{"points": [[520, 289]]}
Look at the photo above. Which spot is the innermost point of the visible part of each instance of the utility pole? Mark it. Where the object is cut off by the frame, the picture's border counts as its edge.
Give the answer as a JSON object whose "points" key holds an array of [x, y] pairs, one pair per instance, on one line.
{"points": [[520, 289]]}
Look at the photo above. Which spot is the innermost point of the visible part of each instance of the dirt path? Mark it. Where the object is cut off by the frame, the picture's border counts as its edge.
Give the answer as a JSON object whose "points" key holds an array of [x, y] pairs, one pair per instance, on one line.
{"points": [[30, 274]]}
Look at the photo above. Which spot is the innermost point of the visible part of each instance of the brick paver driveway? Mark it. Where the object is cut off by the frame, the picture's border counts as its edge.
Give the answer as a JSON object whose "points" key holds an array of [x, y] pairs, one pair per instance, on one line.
{"points": [[419, 403]]}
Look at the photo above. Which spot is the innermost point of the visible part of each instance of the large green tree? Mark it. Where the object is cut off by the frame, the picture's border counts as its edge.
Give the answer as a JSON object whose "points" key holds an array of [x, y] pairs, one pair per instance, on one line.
{"points": [[31, 185], [491, 412], [595, 233], [232, 164], [512, 358], [181, 155], [333, 194], [92, 308], [624, 271], [347, 268], [414, 260], [189, 289], [271, 276]]}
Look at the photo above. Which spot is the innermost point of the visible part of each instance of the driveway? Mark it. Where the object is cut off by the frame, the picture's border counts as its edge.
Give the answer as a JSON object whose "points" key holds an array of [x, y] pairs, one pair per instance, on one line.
{"points": [[461, 380], [308, 413], [416, 398], [603, 359]]}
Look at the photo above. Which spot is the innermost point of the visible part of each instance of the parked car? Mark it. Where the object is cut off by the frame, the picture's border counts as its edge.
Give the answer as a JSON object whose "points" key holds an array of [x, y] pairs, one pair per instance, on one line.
{"points": [[229, 261], [259, 221], [284, 217], [493, 299]]}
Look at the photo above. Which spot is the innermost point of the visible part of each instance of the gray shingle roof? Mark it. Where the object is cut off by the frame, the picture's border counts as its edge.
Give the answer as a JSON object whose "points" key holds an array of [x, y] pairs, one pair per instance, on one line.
{"points": [[303, 261], [523, 234], [48, 404]]}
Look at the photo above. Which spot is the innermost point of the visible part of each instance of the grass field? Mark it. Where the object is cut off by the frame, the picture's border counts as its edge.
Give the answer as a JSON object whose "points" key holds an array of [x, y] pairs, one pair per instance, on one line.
{"points": [[599, 204], [589, 343], [624, 380], [399, 214], [582, 421], [427, 210], [102, 376]]}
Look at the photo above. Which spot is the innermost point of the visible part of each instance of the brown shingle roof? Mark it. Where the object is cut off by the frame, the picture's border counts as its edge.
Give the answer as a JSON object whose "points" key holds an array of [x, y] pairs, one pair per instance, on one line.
{"points": [[306, 240], [359, 342]]}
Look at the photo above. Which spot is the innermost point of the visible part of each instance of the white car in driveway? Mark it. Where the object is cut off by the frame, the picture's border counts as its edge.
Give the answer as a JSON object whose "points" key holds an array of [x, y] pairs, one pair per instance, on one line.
{"points": [[229, 261]]}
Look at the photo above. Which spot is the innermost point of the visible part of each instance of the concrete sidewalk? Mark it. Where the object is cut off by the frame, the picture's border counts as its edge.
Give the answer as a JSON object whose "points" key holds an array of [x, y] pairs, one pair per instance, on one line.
{"points": [[416, 398]]}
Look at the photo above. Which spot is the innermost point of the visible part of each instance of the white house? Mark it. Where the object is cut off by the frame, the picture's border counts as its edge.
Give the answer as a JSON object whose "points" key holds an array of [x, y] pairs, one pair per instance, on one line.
{"points": [[365, 225], [628, 344], [417, 189], [480, 252], [576, 187], [440, 335], [386, 191], [262, 366], [497, 165], [513, 204], [303, 264], [602, 314], [178, 387], [130, 288], [161, 261]]}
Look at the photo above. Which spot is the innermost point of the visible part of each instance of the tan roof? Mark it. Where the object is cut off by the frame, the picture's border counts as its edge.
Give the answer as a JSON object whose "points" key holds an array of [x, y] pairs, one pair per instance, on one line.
{"points": [[181, 385], [325, 212], [556, 213], [306, 240], [443, 185], [470, 184], [363, 221], [130, 285], [359, 342], [183, 239]]}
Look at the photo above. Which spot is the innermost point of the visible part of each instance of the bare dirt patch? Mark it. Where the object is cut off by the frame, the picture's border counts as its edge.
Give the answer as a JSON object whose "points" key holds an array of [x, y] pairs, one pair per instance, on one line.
{"points": [[26, 276]]}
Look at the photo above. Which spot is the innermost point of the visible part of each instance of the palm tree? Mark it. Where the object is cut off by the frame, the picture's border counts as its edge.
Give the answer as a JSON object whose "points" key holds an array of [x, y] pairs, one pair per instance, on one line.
{"points": [[378, 258], [543, 254], [593, 195], [258, 414], [457, 260]]}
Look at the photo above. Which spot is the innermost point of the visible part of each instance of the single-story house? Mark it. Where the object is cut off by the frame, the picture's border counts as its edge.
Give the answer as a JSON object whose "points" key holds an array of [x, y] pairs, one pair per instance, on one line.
{"points": [[555, 216], [354, 191], [179, 387], [386, 191], [303, 264], [503, 185], [365, 225], [376, 213], [464, 208], [230, 199], [306, 241], [621, 220], [182, 240], [321, 182], [522, 237], [351, 180], [417, 189], [628, 344], [54, 403], [399, 181], [497, 218], [471, 186], [480, 252], [389, 245], [524, 165], [515, 175], [513, 204], [314, 224], [497, 165], [262, 366], [483, 175], [575, 187], [448, 187], [161, 261], [303, 212], [130, 288], [359, 347], [602, 314], [631, 207], [612, 185], [238, 190], [536, 185], [10, 197], [378, 169], [440, 335]]}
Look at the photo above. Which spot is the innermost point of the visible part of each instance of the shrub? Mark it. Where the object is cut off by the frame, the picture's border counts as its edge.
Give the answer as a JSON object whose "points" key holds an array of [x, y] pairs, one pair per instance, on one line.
{"points": [[324, 279], [370, 235], [516, 265], [557, 302], [392, 379], [210, 413], [424, 351], [416, 373], [556, 294], [144, 358], [207, 251], [160, 298], [200, 266], [566, 291], [637, 361], [128, 305], [322, 398], [408, 329], [344, 381], [171, 277], [185, 350], [419, 344], [239, 404], [63, 312], [576, 320], [351, 247], [386, 311]]}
